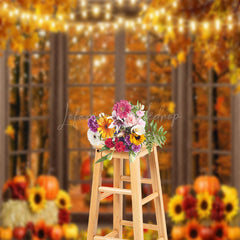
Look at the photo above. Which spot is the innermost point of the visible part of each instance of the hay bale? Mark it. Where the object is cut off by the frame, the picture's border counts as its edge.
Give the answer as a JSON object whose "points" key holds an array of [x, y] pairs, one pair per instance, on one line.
{"points": [[16, 213]]}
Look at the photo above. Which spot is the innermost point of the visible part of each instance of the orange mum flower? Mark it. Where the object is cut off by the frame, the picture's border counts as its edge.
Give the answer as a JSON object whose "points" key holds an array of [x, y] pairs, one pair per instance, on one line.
{"points": [[192, 231], [220, 231], [104, 129], [41, 230]]}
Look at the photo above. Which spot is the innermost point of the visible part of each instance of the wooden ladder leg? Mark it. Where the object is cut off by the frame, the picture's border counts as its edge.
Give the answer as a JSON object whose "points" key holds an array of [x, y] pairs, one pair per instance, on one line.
{"points": [[136, 199], [95, 201], [117, 198], [158, 202]]}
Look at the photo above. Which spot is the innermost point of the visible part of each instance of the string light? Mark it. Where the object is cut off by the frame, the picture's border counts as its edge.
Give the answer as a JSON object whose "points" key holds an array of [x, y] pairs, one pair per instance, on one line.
{"points": [[133, 2], [72, 16], [53, 25], [193, 26], [84, 14], [108, 6], [96, 10], [83, 3], [28, 16], [205, 25], [120, 20], [16, 11], [10, 14], [180, 21], [169, 17], [157, 13], [5, 6], [174, 4], [47, 18], [120, 2], [107, 16], [79, 28], [181, 29], [66, 27], [144, 7], [35, 18], [218, 24], [230, 18], [230, 26], [163, 10], [169, 28], [60, 17]]}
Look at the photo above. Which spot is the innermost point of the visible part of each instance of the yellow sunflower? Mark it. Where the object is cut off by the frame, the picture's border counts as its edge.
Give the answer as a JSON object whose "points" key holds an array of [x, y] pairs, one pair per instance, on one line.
{"points": [[175, 209], [137, 139], [104, 129], [204, 205], [229, 191], [63, 200], [230, 207], [37, 198]]}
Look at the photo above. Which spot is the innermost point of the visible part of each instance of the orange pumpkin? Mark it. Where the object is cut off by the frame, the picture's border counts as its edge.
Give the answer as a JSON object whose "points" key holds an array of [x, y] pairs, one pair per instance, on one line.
{"points": [[19, 179], [178, 232], [50, 184], [233, 233], [208, 184], [6, 233], [56, 232]]}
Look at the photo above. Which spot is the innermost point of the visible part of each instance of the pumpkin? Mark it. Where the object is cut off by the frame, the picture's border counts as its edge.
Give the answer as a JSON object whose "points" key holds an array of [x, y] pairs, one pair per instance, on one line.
{"points": [[178, 232], [206, 233], [19, 233], [50, 184], [56, 233], [208, 184], [70, 231], [19, 179], [6, 233], [233, 233]]}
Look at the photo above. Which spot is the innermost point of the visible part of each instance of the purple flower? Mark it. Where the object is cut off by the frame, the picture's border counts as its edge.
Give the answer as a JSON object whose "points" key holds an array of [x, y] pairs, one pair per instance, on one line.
{"points": [[136, 148], [126, 148], [92, 123], [122, 108], [127, 140]]}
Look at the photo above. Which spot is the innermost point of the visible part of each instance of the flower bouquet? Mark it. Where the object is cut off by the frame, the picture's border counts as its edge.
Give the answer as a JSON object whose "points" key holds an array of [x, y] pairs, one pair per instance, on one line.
{"points": [[126, 130], [205, 211]]}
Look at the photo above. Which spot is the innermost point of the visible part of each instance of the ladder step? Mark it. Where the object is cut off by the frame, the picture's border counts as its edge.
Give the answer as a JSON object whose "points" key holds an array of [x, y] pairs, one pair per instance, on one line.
{"points": [[143, 180], [150, 198], [115, 190], [153, 227], [106, 238], [112, 234], [104, 195]]}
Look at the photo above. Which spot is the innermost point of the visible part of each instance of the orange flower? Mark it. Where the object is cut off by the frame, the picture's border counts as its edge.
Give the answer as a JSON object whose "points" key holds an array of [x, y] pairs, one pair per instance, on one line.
{"points": [[192, 230], [220, 230], [104, 129], [41, 230]]}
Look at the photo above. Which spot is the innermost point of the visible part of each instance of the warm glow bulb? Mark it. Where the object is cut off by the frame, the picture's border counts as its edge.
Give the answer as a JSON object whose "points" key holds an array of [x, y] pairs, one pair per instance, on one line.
{"points": [[53, 24], [34, 17], [79, 28], [107, 16], [40, 21], [66, 27], [169, 28], [60, 17], [181, 29], [10, 13], [205, 25], [84, 14], [115, 26], [90, 28], [72, 16], [23, 16], [5, 6], [144, 7], [120, 20], [230, 18], [180, 21], [133, 2], [47, 18], [157, 13], [144, 26], [102, 27], [28, 16], [163, 10], [120, 2], [230, 26], [96, 10], [108, 6], [16, 11], [193, 25], [83, 3], [151, 16], [175, 4], [169, 17], [139, 20], [218, 24]]}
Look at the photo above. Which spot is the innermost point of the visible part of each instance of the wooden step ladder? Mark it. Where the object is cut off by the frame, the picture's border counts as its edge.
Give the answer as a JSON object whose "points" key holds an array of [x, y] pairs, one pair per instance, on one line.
{"points": [[100, 192]]}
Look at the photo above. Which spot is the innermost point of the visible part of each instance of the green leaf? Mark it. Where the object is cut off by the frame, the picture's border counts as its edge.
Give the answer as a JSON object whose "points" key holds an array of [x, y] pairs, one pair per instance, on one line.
{"points": [[104, 148], [106, 157], [132, 156]]}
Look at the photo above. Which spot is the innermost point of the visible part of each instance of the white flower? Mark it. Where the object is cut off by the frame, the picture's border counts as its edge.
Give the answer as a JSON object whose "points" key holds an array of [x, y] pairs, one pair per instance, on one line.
{"points": [[94, 138], [138, 129]]}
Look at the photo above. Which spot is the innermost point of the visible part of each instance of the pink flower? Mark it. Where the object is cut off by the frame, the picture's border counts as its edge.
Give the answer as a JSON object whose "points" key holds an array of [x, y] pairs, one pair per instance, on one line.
{"points": [[122, 108], [109, 143], [141, 122], [140, 113], [130, 120], [120, 147]]}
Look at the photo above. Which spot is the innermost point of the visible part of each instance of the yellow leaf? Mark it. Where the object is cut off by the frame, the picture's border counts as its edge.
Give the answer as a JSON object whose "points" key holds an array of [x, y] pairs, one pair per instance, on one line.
{"points": [[171, 107], [10, 131], [174, 62], [181, 57]]}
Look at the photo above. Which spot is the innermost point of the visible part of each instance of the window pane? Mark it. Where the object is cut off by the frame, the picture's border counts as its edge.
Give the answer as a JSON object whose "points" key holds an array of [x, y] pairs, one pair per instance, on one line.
{"points": [[39, 134], [160, 69], [103, 100], [79, 101], [21, 136], [40, 163], [222, 135], [79, 68], [136, 68], [40, 101], [17, 164], [222, 101], [200, 101], [19, 102], [223, 167], [103, 69], [104, 41], [200, 164], [40, 68], [200, 134], [77, 134], [135, 41], [133, 93], [80, 42]]}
